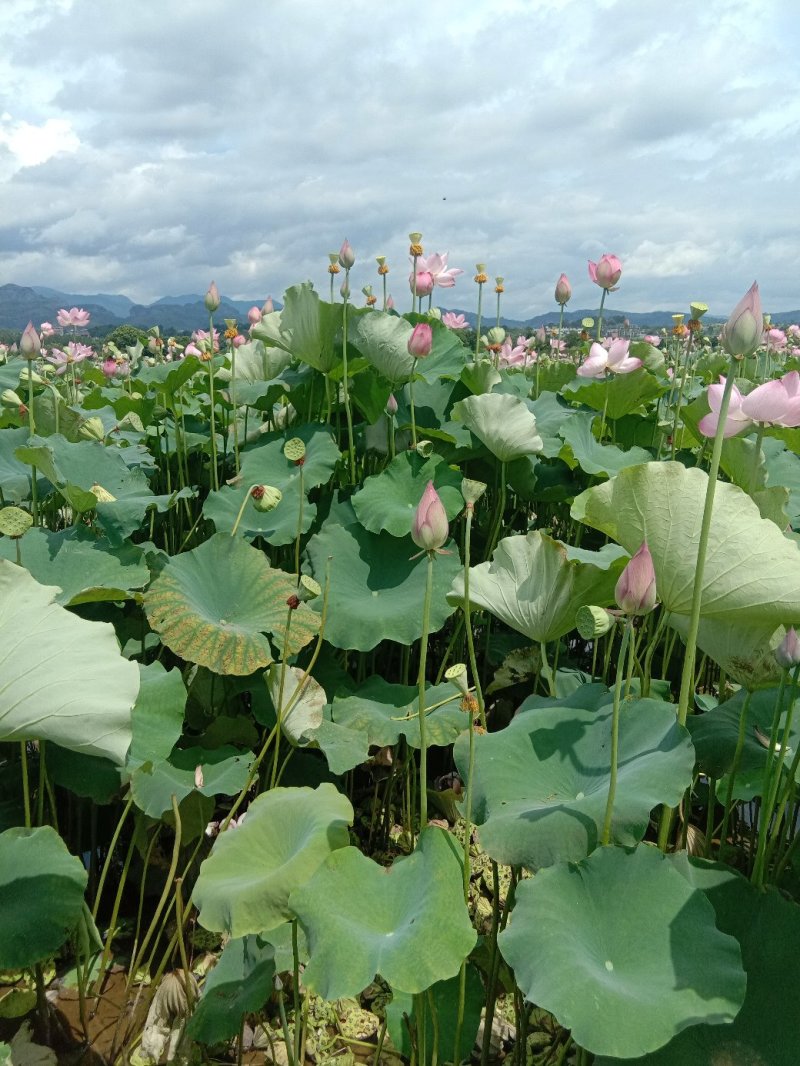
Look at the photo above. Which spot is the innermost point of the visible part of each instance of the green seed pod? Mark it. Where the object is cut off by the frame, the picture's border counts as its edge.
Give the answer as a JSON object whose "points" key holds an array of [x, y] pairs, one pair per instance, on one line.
{"points": [[593, 622]]}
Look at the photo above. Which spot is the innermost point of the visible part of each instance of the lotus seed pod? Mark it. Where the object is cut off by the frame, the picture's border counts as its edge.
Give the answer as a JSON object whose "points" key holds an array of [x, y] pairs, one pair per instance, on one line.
{"points": [[425, 449], [457, 676], [14, 522], [294, 450], [265, 498], [698, 310], [472, 490], [309, 588], [93, 429], [593, 622]]}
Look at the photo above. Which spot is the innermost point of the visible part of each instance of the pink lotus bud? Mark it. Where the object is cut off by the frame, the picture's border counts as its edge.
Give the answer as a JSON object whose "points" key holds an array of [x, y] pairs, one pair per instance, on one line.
{"points": [[212, 300], [344, 289], [391, 405], [787, 654], [254, 315], [541, 335], [30, 345], [239, 340], [636, 589], [430, 528], [421, 341], [606, 272], [268, 307], [389, 303], [198, 777], [425, 282], [347, 256], [109, 367], [741, 334], [192, 349], [563, 290]]}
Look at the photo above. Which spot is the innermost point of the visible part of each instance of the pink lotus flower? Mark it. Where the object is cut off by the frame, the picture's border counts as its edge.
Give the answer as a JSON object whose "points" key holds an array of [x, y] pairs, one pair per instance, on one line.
{"points": [[200, 335], [30, 344], [793, 330], [424, 285], [74, 353], [192, 349], [454, 321], [430, 528], [787, 654], [742, 333], [775, 403], [347, 256], [391, 405], [76, 316], [606, 272], [516, 356], [109, 367], [563, 290], [557, 347], [211, 298], [254, 315], [775, 339], [421, 341], [46, 329], [652, 338], [614, 360], [735, 422], [436, 265], [239, 340], [635, 592]]}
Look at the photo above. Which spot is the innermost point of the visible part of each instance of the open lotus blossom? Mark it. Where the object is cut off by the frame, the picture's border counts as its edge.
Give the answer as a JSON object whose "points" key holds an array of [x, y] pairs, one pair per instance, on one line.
{"points": [[513, 355], [793, 331], [46, 329], [615, 360], [73, 353], [775, 339], [75, 316], [652, 338], [439, 274], [606, 272], [775, 402], [735, 421], [454, 321], [203, 335]]}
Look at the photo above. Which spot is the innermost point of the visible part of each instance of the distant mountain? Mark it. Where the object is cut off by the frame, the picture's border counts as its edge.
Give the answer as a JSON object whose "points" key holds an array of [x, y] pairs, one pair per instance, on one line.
{"points": [[117, 304], [572, 319]]}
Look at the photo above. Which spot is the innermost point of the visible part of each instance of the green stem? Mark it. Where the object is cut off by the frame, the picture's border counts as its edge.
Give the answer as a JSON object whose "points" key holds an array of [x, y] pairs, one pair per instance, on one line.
{"points": [[26, 799], [413, 412], [345, 386], [467, 609], [214, 471], [478, 320], [737, 756], [756, 458], [32, 431], [612, 785], [423, 658], [600, 315], [233, 405]]}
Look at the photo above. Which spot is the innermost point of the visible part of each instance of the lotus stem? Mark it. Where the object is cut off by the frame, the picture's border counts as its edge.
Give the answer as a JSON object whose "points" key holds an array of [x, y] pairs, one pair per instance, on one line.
{"points": [[737, 756], [214, 471], [112, 925], [612, 785], [600, 316], [345, 385], [413, 412], [179, 918], [756, 458], [110, 854], [26, 799], [423, 658], [478, 320], [775, 773], [233, 405]]}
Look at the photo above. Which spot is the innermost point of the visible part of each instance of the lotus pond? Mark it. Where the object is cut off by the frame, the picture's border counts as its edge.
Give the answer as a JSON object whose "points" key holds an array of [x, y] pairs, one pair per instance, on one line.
{"points": [[373, 688]]}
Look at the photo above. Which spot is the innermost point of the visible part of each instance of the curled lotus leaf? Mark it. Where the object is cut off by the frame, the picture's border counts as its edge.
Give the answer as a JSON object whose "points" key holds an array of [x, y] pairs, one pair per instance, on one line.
{"points": [[503, 423]]}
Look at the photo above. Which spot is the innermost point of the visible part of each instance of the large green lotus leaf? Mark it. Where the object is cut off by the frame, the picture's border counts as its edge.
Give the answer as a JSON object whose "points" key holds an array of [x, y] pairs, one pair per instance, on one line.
{"points": [[783, 469], [715, 736], [383, 713], [212, 606], [224, 772], [376, 588], [534, 586], [623, 394], [308, 327], [265, 464], [505, 424], [240, 983], [383, 341], [623, 951], [157, 718], [169, 377], [767, 927], [245, 883], [744, 650], [481, 377], [61, 678], [389, 500], [594, 457], [89, 776], [408, 923], [86, 568], [121, 517], [752, 572], [343, 747], [552, 414], [41, 895], [448, 355], [541, 784], [257, 363]]}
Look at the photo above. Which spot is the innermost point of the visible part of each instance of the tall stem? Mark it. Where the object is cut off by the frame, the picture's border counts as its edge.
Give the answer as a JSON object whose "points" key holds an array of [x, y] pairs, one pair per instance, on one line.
{"points": [[737, 756], [345, 385], [413, 412], [600, 315], [423, 659], [612, 785], [233, 405], [478, 320], [32, 431], [756, 458], [214, 471]]}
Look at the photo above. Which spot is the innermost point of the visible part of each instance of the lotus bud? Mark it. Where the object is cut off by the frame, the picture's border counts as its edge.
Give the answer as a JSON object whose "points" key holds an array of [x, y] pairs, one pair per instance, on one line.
{"points": [[26, 375], [212, 300], [199, 781], [347, 256], [239, 340], [93, 429], [268, 307], [457, 676], [435, 312], [697, 310], [30, 344], [606, 272], [593, 622], [787, 654], [430, 529], [254, 315], [11, 398], [344, 290], [741, 334], [389, 303], [635, 592], [391, 405], [563, 290], [472, 491], [496, 335], [421, 341], [265, 498]]}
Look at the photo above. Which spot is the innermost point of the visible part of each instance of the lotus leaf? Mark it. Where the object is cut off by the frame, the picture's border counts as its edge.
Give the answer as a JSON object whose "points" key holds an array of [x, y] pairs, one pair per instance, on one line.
{"points": [[541, 784], [383, 341], [594, 457], [240, 983], [61, 678], [619, 396], [245, 883], [408, 923], [575, 942], [308, 328], [213, 604], [388, 501], [505, 424]]}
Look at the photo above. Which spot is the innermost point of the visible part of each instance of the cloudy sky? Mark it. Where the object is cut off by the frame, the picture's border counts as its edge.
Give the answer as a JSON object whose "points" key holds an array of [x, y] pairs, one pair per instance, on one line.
{"points": [[149, 147]]}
